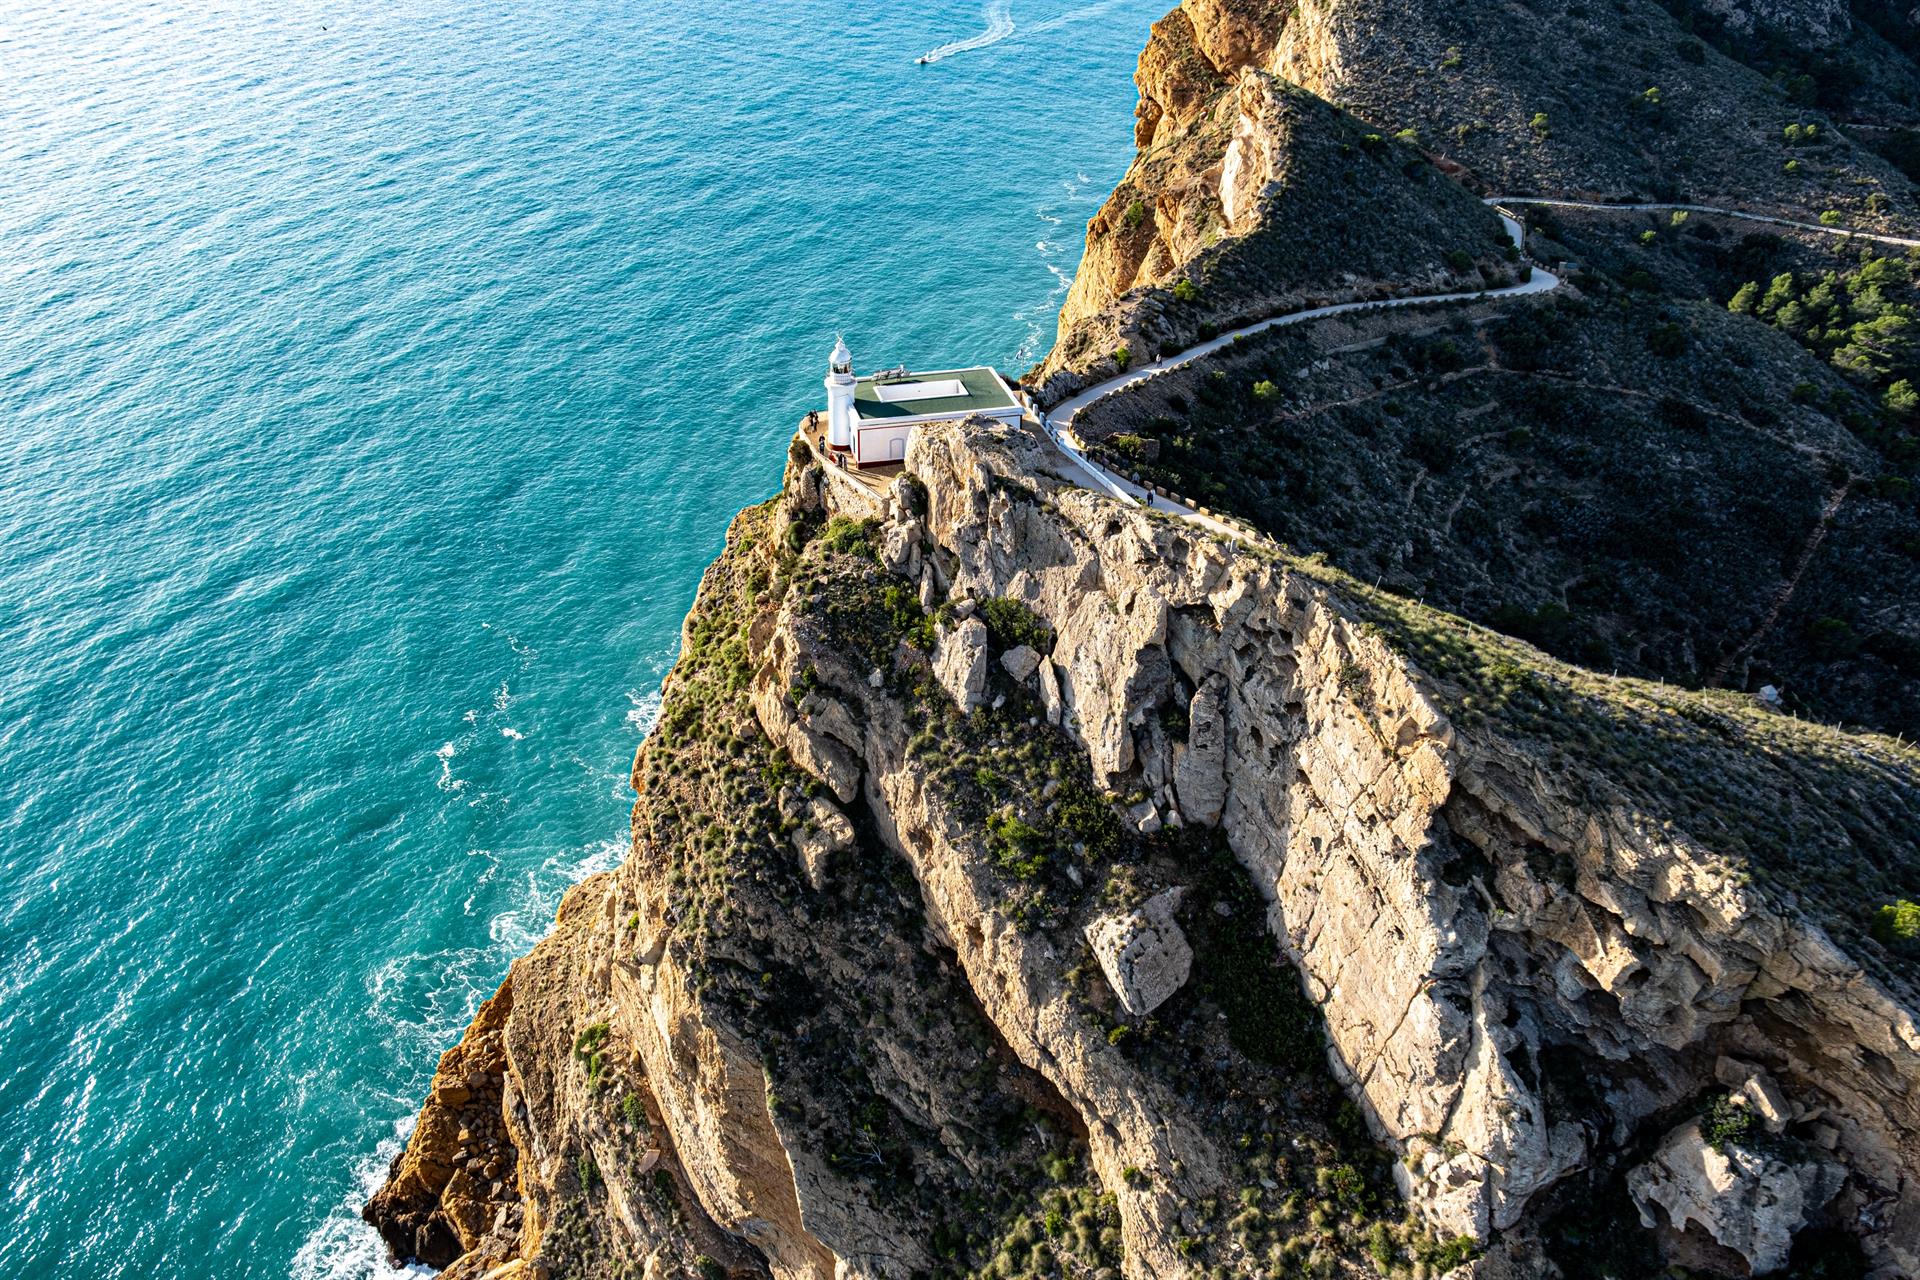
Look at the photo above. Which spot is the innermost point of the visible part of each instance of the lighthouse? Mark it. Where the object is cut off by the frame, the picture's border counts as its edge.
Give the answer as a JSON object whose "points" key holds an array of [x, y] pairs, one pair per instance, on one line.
{"points": [[870, 419], [840, 389]]}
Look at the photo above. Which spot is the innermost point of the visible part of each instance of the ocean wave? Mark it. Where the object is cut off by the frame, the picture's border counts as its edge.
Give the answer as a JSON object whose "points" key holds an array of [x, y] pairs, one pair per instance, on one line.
{"points": [[439, 992], [644, 712], [343, 1247], [999, 15], [446, 781]]}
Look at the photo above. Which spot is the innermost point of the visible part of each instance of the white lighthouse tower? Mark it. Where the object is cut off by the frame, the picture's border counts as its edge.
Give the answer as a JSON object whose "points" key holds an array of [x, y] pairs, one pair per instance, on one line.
{"points": [[840, 386]]}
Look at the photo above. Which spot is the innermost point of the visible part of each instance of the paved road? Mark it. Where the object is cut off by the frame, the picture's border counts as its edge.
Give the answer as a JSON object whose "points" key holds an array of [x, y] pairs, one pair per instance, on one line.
{"points": [[1712, 209], [1058, 424]]}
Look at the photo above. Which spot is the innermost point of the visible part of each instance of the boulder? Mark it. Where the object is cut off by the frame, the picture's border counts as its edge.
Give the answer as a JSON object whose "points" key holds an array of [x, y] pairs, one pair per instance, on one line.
{"points": [[1142, 952], [900, 549], [960, 663], [1760, 1092], [1020, 661], [1750, 1201]]}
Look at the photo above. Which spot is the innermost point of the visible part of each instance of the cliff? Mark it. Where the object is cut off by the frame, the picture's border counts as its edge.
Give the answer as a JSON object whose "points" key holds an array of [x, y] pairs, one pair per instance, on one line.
{"points": [[1026, 884], [851, 1006]]}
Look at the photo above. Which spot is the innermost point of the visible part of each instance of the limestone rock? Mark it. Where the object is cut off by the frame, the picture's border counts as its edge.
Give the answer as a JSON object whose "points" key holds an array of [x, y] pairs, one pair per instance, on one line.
{"points": [[960, 662], [1050, 696], [827, 831], [433, 1208], [900, 549], [1758, 1091], [1143, 953], [1751, 1202], [1200, 777], [1020, 661]]}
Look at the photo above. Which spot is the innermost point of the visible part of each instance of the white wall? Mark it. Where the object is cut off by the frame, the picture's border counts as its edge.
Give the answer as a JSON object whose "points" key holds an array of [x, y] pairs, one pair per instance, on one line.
{"points": [[876, 444]]}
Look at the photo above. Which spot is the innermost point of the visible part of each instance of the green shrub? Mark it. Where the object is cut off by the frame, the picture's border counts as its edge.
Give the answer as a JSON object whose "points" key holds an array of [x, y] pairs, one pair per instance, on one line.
{"points": [[1264, 390], [634, 1112], [1136, 214], [847, 537], [590, 1048], [1123, 357], [708, 1269], [1380, 1245], [1540, 125], [1832, 638], [1012, 624], [1185, 290], [1898, 924], [1017, 847], [588, 1171], [1443, 1257], [1668, 341], [1725, 1121], [909, 621]]}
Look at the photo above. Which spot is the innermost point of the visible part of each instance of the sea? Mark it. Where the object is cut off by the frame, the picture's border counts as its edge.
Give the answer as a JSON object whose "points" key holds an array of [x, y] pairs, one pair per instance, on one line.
{"points": [[376, 379]]}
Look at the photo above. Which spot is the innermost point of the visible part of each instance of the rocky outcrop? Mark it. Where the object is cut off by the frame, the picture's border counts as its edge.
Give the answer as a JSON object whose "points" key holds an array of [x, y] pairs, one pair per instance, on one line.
{"points": [[1750, 1200], [454, 1184], [1235, 908], [1236, 208], [1142, 952], [1460, 914], [960, 662], [1815, 22], [1522, 976]]}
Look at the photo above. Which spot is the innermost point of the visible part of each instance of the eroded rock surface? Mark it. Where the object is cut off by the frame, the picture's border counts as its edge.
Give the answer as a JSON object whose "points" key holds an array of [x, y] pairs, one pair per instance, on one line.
{"points": [[1142, 952], [1750, 1200]]}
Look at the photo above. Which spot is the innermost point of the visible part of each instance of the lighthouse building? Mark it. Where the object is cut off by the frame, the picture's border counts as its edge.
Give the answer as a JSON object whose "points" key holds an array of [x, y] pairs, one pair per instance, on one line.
{"points": [[870, 419]]}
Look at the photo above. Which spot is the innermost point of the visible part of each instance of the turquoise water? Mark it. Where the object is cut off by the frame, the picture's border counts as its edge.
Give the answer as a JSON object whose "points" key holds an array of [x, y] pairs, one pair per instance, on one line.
{"points": [[375, 380]]}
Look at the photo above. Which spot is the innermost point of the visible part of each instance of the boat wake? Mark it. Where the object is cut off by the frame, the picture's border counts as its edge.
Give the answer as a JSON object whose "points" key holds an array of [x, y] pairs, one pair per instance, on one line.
{"points": [[1065, 19], [999, 16]]}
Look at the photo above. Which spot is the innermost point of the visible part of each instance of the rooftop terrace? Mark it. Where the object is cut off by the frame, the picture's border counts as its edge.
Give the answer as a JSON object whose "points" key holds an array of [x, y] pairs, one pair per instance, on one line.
{"points": [[920, 395]]}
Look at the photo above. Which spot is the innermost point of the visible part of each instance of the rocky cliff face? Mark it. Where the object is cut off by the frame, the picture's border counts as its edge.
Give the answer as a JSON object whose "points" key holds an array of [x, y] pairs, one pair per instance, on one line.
{"points": [[858, 973]]}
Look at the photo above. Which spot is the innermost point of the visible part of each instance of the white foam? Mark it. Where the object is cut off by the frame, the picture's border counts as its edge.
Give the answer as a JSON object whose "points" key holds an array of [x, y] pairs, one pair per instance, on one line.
{"points": [[513, 735], [645, 711], [343, 1247], [999, 16], [1077, 15], [446, 781]]}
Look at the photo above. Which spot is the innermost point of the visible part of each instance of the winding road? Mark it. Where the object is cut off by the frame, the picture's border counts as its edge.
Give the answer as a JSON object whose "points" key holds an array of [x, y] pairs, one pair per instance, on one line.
{"points": [[1058, 422]]}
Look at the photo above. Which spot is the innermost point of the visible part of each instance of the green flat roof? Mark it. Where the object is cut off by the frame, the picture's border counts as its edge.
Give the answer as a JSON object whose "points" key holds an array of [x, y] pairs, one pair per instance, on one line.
{"points": [[984, 392]]}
